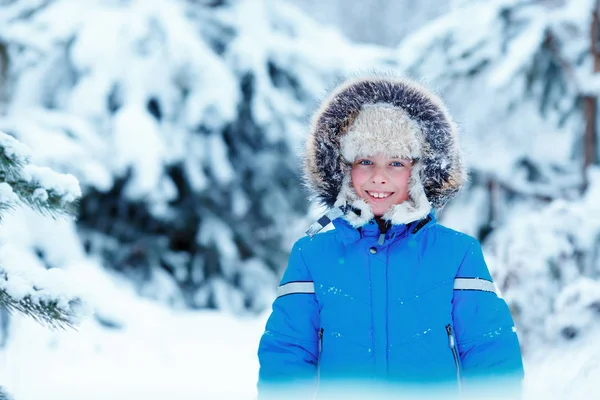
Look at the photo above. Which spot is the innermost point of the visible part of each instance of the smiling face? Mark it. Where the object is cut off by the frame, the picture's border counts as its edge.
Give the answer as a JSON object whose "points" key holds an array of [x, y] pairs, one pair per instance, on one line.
{"points": [[381, 181]]}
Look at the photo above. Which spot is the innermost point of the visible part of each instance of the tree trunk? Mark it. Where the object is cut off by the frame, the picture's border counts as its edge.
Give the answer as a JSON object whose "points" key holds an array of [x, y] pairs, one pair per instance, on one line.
{"points": [[590, 109], [590, 104]]}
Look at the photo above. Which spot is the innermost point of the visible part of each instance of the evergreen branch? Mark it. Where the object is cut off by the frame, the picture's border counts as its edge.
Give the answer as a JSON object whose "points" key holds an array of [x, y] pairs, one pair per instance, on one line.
{"points": [[10, 165], [35, 186], [45, 201], [45, 313], [49, 193], [4, 207], [46, 309]]}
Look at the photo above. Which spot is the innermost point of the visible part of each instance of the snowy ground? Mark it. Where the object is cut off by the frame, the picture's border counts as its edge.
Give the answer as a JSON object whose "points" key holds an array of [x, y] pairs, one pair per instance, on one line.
{"points": [[161, 354], [568, 371]]}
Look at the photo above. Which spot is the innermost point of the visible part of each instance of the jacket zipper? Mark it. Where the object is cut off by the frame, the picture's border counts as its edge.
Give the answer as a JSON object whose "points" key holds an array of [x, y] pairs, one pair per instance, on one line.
{"points": [[319, 356], [452, 344]]}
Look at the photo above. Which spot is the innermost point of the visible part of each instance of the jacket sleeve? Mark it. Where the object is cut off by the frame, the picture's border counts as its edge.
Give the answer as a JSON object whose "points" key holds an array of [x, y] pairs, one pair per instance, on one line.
{"points": [[486, 338], [288, 349]]}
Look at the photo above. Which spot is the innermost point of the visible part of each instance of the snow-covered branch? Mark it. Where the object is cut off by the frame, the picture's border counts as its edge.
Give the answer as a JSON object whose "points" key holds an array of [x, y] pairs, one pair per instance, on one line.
{"points": [[40, 188], [38, 294], [48, 312]]}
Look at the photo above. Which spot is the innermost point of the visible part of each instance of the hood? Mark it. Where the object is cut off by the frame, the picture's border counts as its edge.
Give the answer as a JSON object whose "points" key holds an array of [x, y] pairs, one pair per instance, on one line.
{"points": [[395, 116]]}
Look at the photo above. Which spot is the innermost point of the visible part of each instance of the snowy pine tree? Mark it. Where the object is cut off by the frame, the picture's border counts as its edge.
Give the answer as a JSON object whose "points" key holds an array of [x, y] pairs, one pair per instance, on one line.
{"points": [[48, 193], [383, 22], [182, 121], [521, 77]]}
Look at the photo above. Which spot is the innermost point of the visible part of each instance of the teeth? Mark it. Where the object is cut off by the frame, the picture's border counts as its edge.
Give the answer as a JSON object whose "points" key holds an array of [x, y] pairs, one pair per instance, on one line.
{"points": [[379, 195]]}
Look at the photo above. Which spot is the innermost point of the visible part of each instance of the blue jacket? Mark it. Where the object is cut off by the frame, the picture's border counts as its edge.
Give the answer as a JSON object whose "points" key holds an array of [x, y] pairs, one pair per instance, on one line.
{"points": [[416, 306]]}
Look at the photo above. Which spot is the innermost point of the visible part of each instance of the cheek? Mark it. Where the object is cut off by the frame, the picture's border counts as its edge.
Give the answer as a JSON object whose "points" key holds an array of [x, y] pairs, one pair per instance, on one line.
{"points": [[402, 182], [358, 178]]}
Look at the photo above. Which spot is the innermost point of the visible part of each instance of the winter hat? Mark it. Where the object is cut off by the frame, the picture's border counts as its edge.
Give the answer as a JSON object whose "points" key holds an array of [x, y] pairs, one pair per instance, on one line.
{"points": [[389, 115]]}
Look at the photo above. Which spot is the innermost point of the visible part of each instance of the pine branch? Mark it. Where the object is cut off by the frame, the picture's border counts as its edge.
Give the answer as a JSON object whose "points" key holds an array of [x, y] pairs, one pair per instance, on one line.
{"points": [[51, 194], [34, 186], [46, 202], [4, 207], [13, 158], [46, 313], [46, 309]]}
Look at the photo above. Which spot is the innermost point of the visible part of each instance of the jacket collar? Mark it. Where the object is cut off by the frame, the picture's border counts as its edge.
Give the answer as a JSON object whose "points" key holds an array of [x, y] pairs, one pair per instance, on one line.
{"points": [[350, 234]]}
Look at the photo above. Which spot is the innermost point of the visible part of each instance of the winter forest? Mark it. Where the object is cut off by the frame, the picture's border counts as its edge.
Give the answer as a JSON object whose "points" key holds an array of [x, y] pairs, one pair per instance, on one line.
{"points": [[150, 186]]}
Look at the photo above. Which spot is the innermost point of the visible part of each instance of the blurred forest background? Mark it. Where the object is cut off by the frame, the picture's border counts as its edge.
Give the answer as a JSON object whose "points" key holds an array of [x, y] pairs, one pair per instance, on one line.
{"points": [[183, 121]]}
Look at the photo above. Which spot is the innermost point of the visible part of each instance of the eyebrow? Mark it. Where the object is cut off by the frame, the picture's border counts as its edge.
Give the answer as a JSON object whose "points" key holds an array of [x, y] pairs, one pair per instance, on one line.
{"points": [[411, 160]]}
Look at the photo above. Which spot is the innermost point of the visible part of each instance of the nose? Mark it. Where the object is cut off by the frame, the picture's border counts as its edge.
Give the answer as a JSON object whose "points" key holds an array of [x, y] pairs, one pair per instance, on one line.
{"points": [[379, 176]]}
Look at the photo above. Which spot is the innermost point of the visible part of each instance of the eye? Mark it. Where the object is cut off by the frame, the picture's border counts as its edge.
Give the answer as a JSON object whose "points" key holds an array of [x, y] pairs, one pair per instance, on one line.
{"points": [[397, 164], [365, 162]]}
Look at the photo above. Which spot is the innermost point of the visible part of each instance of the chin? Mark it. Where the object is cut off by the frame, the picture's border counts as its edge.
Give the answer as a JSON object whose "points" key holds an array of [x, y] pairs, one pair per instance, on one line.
{"points": [[379, 214]]}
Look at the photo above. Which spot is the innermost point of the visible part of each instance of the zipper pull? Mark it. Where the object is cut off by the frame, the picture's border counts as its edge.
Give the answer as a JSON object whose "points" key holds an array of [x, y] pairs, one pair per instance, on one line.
{"points": [[381, 238], [450, 336], [321, 340]]}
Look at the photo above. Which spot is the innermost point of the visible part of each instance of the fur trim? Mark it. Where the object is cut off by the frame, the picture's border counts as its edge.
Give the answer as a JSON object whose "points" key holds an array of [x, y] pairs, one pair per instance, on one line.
{"points": [[381, 114], [415, 208], [381, 128]]}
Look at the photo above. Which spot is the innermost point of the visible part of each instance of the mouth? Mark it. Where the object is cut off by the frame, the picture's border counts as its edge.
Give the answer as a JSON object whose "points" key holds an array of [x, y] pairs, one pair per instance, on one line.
{"points": [[378, 196]]}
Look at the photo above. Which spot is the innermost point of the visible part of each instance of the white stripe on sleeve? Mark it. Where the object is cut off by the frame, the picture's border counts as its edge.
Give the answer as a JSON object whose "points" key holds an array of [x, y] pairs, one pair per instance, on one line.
{"points": [[296, 287], [474, 284]]}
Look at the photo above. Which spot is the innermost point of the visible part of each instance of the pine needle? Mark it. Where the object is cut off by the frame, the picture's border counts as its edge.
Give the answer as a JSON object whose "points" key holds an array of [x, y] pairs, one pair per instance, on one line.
{"points": [[47, 314]]}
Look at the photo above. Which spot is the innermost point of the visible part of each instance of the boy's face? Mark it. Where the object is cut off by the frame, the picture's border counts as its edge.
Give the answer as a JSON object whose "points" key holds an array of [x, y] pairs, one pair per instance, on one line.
{"points": [[381, 181]]}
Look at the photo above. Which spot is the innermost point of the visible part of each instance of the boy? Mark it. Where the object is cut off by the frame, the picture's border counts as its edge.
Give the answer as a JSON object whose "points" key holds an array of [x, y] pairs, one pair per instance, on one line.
{"points": [[389, 301]]}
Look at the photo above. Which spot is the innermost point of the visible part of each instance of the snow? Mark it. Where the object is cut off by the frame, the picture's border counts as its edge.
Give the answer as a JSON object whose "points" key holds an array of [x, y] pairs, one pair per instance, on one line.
{"points": [[163, 57], [219, 163], [589, 83], [24, 274], [64, 185], [538, 260], [7, 196], [564, 371], [215, 233], [519, 52], [14, 149], [145, 161], [214, 357], [155, 350]]}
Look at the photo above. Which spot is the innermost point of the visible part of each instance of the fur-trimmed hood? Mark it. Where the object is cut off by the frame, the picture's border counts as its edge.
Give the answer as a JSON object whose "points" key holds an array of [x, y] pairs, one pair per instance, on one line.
{"points": [[395, 116]]}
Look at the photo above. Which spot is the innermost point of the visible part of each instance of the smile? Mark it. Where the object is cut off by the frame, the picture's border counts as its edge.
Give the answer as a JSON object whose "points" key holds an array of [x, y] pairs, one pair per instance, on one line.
{"points": [[379, 195]]}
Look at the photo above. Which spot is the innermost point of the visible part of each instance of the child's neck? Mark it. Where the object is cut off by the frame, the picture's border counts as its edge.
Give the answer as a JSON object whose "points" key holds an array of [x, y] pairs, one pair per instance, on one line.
{"points": [[383, 224]]}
